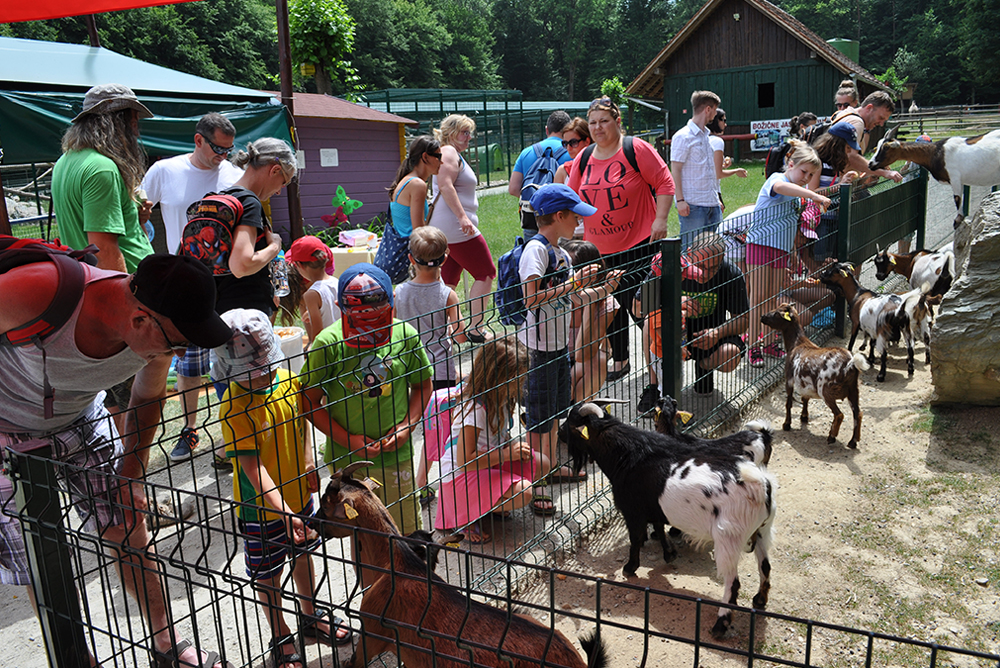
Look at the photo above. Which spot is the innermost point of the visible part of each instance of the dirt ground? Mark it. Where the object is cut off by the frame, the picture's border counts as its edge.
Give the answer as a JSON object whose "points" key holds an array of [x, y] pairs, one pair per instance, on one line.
{"points": [[899, 537]]}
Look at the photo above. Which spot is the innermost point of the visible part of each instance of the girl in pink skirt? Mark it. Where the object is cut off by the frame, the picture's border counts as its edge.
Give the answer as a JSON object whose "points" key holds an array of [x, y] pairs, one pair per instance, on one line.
{"points": [[482, 470]]}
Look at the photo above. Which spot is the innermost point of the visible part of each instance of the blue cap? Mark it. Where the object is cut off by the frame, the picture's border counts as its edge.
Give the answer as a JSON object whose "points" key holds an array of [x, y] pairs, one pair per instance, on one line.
{"points": [[373, 288], [554, 197], [846, 131]]}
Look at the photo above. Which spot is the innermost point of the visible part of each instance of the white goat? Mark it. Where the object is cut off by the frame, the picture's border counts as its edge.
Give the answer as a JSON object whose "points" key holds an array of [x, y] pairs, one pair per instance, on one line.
{"points": [[931, 272], [918, 310], [960, 161]]}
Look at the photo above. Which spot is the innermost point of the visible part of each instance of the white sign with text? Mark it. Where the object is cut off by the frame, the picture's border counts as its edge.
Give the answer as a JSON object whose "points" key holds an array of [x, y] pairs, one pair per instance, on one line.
{"points": [[769, 133]]}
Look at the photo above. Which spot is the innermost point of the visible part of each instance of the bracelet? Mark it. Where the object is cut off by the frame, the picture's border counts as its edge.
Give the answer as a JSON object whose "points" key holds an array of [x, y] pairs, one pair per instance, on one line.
{"points": [[679, 200]]}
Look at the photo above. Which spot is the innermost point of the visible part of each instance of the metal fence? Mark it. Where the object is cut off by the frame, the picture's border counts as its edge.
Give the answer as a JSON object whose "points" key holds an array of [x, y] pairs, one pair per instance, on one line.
{"points": [[198, 530]]}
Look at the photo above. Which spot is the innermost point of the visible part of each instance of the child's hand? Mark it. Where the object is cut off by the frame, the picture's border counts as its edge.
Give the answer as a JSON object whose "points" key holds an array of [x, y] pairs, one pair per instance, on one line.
{"points": [[727, 162], [298, 531], [705, 339], [822, 200], [357, 442], [586, 276], [614, 277], [312, 479], [458, 336], [519, 452], [742, 173]]}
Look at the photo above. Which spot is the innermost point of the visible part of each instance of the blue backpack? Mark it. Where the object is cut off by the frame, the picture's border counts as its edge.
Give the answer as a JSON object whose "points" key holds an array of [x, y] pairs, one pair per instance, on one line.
{"points": [[509, 296], [542, 170]]}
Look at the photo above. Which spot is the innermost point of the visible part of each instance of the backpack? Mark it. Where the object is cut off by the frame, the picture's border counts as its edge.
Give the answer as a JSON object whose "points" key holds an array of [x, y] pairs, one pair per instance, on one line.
{"points": [[817, 130], [208, 234], [628, 148], [541, 172], [437, 421], [775, 160], [509, 296], [15, 253]]}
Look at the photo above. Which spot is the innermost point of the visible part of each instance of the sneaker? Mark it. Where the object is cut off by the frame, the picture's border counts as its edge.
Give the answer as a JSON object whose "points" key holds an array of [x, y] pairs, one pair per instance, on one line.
{"points": [[774, 350], [755, 357], [647, 401], [185, 444], [426, 496]]}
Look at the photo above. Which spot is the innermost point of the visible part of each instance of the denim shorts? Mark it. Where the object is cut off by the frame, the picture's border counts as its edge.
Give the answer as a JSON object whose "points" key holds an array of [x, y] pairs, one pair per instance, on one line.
{"points": [[699, 219], [547, 397]]}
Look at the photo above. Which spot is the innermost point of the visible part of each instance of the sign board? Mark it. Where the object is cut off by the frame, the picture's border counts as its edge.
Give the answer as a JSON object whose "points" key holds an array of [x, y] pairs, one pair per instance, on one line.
{"points": [[769, 133], [329, 157]]}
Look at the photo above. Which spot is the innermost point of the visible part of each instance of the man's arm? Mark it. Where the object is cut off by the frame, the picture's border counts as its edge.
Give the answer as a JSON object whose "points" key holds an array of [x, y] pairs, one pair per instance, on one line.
{"points": [[514, 186], [859, 164], [683, 209], [110, 255]]}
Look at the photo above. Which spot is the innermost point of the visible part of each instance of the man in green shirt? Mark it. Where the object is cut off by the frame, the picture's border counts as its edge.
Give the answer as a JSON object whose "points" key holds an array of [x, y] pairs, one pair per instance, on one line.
{"points": [[94, 182]]}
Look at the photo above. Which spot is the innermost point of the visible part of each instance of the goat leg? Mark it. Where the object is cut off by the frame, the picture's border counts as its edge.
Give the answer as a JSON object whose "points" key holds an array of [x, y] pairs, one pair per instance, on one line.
{"points": [[805, 410], [838, 418], [881, 372], [854, 336], [669, 551], [760, 598], [927, 349], [637, 536], [909, 356], [788, 408]]}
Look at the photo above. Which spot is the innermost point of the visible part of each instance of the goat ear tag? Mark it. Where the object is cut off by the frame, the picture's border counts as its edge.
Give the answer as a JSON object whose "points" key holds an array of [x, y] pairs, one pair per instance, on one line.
{"points": [[843, 273], [372, 484], [584, 433], [787, 316], [892, 260], [685, 416], [350, 512], [453, 545]]}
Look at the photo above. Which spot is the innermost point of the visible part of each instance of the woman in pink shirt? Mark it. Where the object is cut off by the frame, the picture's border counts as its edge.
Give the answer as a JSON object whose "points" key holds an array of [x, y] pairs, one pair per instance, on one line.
{"points": [[633, 194]]}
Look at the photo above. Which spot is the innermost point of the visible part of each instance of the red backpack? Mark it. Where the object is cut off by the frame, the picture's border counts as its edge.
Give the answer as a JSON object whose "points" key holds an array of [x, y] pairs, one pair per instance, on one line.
{"points": [[208, 234]]}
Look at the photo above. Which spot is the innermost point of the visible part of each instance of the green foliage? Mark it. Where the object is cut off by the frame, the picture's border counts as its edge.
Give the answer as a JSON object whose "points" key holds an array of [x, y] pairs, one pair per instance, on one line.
{"points": [[321, 33], [614, 89], [893, 80]]}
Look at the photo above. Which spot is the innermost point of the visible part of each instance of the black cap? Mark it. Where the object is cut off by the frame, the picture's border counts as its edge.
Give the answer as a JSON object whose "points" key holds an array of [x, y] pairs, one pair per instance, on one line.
{"points": [[182, 289]]}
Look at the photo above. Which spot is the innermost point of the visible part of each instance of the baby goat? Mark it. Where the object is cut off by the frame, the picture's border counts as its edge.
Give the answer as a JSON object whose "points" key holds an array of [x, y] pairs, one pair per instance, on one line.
{"points": [[411, 611], [830, 374], [878, 316], [706, 491], [917, 310], [754, 442], [931, 272]]}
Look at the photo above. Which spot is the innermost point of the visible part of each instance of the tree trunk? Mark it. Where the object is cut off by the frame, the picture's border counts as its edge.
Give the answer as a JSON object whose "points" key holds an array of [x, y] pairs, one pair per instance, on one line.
{"points": [[323, 84]]}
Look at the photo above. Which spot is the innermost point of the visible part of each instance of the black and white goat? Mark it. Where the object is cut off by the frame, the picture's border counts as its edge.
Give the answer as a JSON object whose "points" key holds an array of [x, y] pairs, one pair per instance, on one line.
{"points": [[930, 272], [830, 374], [917, 310], [878, 316], [960, 161], [709, 493], [754, 442]]}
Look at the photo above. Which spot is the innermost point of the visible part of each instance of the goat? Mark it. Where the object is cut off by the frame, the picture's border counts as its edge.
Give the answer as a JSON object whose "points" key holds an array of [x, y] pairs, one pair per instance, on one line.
{"points": [[917, 310], [878, 316], [705, 491], [411, 611], [830, 374], [973, 161], [931, 272], [754, 442]]}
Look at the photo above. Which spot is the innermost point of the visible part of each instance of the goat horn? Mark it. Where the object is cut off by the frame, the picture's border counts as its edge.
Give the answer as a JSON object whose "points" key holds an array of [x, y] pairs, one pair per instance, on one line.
{"points": [[348, 470], [604, 401], [878, 248], [591, 408]]}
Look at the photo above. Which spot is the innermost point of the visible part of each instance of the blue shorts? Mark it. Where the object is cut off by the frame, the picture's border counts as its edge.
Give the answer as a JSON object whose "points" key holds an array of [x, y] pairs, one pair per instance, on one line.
{"points": [[266, 545], [197, 362], [548, 393], [699, 219]]}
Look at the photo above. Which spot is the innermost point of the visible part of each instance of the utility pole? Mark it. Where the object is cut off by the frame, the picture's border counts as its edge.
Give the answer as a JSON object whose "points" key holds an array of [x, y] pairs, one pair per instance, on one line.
{"points": [[287, 98]]}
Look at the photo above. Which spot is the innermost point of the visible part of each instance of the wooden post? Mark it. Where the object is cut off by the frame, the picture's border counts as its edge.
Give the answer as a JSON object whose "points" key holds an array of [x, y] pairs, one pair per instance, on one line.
{"points": [[4, 216], [287, 98]]}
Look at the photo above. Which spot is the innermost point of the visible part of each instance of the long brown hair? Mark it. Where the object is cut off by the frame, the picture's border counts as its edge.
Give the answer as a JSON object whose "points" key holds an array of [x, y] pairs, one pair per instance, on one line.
{"points": [[414, 154], [497, 371], [112, 136]]}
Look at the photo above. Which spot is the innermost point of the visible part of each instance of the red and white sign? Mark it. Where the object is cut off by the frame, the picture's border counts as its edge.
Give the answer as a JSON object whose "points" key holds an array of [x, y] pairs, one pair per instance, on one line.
{"points": [[769, 133]]}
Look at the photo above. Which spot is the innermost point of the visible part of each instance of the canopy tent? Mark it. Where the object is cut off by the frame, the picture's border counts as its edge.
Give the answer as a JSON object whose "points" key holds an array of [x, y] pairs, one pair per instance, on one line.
{"points": [[14, 12], [42, 85]]}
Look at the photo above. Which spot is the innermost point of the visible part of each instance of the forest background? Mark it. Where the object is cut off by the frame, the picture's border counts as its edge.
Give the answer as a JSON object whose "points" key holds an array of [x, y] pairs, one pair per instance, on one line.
{"points": [[549, 49]]}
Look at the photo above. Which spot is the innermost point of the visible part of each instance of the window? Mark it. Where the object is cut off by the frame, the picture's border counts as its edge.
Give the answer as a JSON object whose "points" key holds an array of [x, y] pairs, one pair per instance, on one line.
{"points": [[765, 95]]}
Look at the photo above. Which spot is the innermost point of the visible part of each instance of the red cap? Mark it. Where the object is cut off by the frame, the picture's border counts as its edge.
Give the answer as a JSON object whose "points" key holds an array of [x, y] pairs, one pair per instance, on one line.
{"points": [[688, 270], [310, 249]]}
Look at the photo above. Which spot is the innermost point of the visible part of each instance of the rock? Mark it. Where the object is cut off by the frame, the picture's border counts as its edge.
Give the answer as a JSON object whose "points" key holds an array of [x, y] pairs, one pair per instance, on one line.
{"points": [[982, 582], [965, 352]]}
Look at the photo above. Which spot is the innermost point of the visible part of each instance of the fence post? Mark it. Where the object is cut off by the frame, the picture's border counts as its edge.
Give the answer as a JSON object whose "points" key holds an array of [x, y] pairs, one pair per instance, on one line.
{"points": [[966, 194], [36, 494], [843, 250], [922, 198], [670, 316]]}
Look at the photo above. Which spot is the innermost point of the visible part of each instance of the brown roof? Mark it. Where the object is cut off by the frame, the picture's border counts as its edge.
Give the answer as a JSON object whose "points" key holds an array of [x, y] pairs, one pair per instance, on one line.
{"points": [[650, 85], [313, 105]]}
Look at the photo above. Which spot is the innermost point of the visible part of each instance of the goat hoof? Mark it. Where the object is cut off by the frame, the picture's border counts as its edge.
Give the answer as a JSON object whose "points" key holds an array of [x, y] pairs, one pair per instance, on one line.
{"points": [[804, 419], [787, 426], [669, 556], [831, 439], [880, 378], [629, 571], [759, 602], [853, 445], [721, 626]]}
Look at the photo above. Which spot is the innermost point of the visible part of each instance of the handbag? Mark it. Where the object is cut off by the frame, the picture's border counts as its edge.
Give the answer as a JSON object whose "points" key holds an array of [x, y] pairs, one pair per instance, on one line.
{"points": [[392, 256]]}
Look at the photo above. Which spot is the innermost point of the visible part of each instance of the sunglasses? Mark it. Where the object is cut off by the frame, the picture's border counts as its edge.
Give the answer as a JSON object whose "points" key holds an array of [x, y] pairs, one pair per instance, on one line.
{"points": [[176, 348], [842, 105], [435, 155], [601, 102], [572, 143], [218, 150]]}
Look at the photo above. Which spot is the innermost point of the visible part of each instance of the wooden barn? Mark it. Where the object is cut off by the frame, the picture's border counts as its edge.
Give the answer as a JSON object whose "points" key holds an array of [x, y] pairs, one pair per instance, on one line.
{"points": [[762, 62], [342, 144]]}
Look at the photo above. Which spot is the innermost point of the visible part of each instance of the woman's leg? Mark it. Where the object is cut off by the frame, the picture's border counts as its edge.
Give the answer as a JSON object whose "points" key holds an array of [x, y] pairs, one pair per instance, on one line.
{"points": [[474, 257], [764, 283]]}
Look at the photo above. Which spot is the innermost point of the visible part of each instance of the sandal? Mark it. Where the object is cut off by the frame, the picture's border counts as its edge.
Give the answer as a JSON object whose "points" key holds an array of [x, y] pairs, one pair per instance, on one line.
{"points": [[541, 510], [426, 496], [308, 628], [475, 336], [555, 477], [171, 658], [278, 655], [475, 534], [221, 463]]}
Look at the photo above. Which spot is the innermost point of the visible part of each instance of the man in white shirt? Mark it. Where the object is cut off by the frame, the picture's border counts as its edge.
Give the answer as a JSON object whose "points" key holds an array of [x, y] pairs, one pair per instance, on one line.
{"points": [[175, 183], [693, 169]]}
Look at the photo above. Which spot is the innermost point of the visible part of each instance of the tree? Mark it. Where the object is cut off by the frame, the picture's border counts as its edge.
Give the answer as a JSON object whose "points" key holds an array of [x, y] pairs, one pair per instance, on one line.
{"points": [[979, 45], [470, 62], [321, 33]]}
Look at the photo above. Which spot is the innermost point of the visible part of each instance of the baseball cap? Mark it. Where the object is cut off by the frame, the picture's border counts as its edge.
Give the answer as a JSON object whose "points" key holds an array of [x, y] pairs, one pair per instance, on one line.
{"points": [[310, 249], [253, 349], [182, 289], [554, 197], [106, 98], [689, 270], [846, 131], [365, 299]]}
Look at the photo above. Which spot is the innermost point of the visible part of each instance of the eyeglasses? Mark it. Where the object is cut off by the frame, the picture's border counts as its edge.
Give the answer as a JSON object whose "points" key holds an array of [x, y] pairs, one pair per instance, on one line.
{"points": [[176, 348], [467, 133], [572, 143], [435, 155], [842, 105], [601, 102], [218, 150]]}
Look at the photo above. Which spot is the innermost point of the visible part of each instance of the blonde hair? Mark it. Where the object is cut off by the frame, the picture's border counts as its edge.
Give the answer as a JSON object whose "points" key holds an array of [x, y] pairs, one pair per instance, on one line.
{"points": [[803, 153], [452, 125], [428, 243], [265, 152], [703, 98], [497, 371]]}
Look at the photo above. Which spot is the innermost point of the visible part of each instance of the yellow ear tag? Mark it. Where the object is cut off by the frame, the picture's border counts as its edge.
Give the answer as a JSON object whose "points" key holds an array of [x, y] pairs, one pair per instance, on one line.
{"points": [[372, 484], [585, 433], [892, 260], [454, 545], [685, 416], [350, 511], [787, 316], [843, 273], [658, 412]]}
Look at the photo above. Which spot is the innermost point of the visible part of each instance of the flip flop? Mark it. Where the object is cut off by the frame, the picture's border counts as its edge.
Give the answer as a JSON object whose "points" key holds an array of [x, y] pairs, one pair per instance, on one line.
{"points": [[171, 658], [540, 510], [278, 654], [308, 628], [475, 534], [556, 478]]}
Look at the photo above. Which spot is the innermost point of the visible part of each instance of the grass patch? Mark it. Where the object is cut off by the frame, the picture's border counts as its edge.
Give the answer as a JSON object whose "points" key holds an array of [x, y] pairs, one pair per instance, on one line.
{"points": [[932, 420]]}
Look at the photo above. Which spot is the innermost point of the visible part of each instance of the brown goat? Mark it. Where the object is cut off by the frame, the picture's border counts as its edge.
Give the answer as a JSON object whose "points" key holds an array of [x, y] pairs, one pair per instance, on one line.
{"points": [[931, 272], [410, 611], [830, 374]]}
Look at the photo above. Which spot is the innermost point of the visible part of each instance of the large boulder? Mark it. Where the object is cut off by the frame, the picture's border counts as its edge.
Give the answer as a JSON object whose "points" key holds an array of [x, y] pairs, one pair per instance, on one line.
{"points": [[965, 348]]}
